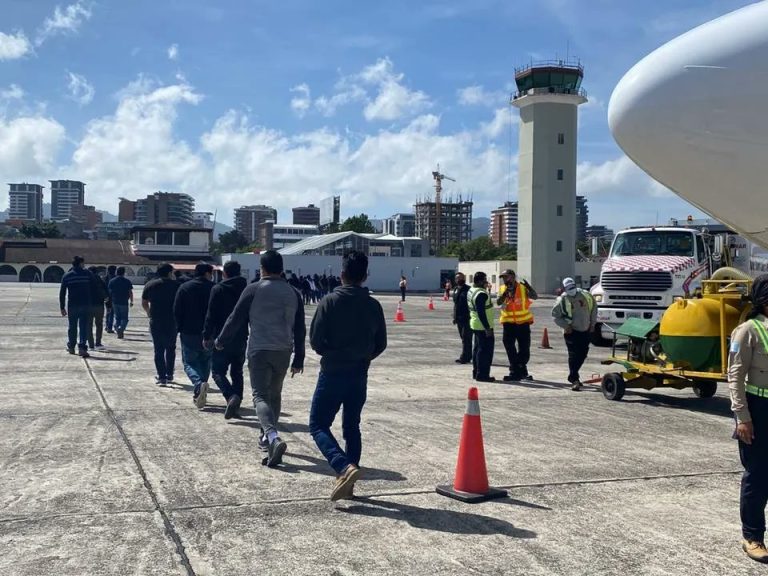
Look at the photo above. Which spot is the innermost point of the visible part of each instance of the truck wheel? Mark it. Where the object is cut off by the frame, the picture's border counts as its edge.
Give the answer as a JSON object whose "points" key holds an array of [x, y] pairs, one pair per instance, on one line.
{"points": [[598, 340], [613, 386], [704, 388]]}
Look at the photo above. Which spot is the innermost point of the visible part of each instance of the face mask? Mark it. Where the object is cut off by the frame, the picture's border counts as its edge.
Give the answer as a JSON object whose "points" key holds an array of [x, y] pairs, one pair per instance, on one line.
{"points": [[571, 291]]}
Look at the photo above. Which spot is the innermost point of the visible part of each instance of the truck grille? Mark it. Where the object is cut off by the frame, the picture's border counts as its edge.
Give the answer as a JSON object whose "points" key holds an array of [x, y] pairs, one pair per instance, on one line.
{"points": [[638, 281]]}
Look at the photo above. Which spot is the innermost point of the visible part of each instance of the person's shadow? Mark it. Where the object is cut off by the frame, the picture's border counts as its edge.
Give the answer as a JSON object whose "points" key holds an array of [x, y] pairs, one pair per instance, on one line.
{"points": [[435, 519], [321, 467]]}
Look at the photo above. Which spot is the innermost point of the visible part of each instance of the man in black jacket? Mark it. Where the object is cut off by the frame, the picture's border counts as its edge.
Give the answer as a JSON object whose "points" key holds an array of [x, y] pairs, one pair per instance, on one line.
{"points": [[224, 296], [109, 319], [348, 332], [461, 318], [189, 310], [99, 296], [157, 300]]}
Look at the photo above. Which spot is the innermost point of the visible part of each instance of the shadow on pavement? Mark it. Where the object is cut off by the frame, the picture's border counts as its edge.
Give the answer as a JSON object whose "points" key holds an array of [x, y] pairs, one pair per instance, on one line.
{"points": [[321, 467], [102, 359], [110, 351], [435, 519], [717, 406], [522, 503]]}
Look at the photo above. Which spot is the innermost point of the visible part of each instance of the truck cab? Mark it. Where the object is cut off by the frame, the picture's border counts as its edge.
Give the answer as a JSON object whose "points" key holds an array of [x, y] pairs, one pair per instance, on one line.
{"points": [[648, 268]]}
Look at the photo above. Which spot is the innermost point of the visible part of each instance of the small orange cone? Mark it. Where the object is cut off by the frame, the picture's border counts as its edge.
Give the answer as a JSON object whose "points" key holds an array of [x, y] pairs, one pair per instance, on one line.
{"points": [[431, 304], [545, 340], [399, 315], [470, 483]]}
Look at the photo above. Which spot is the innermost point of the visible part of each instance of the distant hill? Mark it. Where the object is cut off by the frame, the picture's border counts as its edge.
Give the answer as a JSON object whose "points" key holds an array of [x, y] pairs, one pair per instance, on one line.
{"points": [[480, 227], [220, 229]]}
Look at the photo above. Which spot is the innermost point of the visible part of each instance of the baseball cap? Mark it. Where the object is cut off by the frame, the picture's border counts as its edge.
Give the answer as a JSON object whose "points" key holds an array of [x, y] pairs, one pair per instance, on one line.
{"points": [[508, 272], [569, 285]]}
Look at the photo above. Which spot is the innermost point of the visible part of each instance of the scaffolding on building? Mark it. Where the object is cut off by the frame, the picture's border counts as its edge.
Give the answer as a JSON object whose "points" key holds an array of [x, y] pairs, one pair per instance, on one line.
{"points": [[451, 222]]}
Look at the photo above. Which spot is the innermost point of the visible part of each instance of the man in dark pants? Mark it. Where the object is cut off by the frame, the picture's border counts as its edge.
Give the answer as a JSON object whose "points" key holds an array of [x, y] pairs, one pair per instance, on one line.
{"points": [[348, 332], [121, 296], [189, 310], [157, 300], [224, 297], [75, 303], [481, 323], [99, 295], [516, 319], [748, 384], [274, 313], [575, 312], [110, 317], [461, 318]]}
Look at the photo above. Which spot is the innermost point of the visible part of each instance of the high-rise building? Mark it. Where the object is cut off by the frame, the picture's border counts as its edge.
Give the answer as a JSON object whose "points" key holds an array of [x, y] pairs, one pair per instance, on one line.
{"points": [[64, 195], [401, 224], [25, 202], [249, 218], [452, 222], [202, 219], [582, 218], [126, 210], [503, 229], [548, 96], [309, 215], [158, 208], [330, 212], [88, 216]]}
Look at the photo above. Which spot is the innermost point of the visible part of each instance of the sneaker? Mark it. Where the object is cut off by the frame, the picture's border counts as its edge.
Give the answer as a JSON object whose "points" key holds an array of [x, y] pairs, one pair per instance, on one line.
{"points": [[233, 405], [202, 395], [100, 347], [755, 550], [71, 349], [169, 380], [276, 450], [576, 385], [511, 378], [345, 484], [263, 444], [488, 379], [527, 378], [119, 335], [109, 331], [160, 381], [84, 353]]}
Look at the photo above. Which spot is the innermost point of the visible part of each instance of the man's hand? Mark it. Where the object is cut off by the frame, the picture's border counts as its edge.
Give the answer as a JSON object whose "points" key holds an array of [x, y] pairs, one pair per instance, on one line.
{"points": [[63, 312], [591, 327], [131, 304], [208, 344], [218, 346], [295, 371], [745, 432], [568, 330]]}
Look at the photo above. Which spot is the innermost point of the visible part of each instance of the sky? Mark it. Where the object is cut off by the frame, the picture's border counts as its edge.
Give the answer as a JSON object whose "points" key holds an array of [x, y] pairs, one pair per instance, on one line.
{"points": [[285, 103]]}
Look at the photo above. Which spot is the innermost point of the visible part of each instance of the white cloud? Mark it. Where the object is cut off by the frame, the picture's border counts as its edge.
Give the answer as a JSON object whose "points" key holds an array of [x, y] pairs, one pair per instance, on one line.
{"points": [[479, 96], [14, 46], [13, 92], [64, 21], [173, 52], [300, 104], [502, 121], [30, 146], [79, 89], [620, 177]]}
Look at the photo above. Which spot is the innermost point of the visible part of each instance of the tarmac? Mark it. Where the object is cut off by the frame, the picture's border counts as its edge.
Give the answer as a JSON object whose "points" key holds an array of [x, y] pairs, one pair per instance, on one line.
{"points": [[104, 473]]}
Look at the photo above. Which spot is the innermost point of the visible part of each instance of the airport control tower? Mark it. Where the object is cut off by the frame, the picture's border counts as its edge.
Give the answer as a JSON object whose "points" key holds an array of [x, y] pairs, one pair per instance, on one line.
{"points": [[548, 95]]}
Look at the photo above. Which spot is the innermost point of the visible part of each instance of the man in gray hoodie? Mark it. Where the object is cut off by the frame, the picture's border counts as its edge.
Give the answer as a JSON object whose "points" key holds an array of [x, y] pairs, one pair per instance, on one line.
{"points": [[575, 312], [274, 313]]}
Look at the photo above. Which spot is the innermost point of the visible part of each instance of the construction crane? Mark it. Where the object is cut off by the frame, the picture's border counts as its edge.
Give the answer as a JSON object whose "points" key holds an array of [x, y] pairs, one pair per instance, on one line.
{"points": [[438, 207]]}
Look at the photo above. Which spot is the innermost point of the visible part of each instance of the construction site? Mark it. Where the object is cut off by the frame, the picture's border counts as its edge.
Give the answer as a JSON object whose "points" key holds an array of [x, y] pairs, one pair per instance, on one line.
{"points": [[441, 220]]}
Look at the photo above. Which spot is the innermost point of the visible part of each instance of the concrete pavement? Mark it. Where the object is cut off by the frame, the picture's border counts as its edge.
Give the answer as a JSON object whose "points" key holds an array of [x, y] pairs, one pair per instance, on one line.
{"points": [[104, 473]]}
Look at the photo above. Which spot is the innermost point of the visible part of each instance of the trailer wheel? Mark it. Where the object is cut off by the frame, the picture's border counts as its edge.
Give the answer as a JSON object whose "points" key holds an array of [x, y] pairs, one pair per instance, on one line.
{"points": [[704, 388], [598, 340], [613, 386]]}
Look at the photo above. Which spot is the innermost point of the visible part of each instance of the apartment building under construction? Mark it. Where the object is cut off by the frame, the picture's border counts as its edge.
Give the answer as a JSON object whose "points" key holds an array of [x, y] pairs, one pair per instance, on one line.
{"points": [[444, 222]]}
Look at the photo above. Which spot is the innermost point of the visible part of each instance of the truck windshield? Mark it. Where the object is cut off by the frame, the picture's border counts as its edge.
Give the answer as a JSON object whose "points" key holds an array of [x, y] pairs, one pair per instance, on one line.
{"points": [[653, 243]]}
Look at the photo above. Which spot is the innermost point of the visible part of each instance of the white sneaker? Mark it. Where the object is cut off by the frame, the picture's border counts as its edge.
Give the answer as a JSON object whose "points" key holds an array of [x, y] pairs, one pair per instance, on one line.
{"points": [[200, 400], [100, 347]]}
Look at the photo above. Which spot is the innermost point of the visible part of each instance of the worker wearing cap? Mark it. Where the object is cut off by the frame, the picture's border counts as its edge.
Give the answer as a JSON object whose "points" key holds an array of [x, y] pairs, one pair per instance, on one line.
{"points": [[575, 312], [516, 319], [481, 323], [748, 384]]}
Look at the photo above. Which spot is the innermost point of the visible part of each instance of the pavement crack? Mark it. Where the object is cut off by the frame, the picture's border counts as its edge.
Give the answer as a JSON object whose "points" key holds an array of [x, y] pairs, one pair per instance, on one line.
{"points": [[170, 529]]}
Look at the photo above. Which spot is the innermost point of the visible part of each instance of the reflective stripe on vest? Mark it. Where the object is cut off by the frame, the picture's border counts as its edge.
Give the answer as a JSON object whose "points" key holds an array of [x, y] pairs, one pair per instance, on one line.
{"points": [[474, 314], [517, 310], [756, 390], [567, 305], [762, 333]]}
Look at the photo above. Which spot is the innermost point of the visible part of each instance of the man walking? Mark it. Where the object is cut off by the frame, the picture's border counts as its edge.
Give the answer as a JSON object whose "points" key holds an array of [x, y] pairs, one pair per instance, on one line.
{"points": [[75, 304], [274, 312], [99, 296], [576, 313], [481, 323], [516, 319], [348, 331], [110, 317], [121, 294], [224, 297], [461, 318], [157, 300], [189, 309]]}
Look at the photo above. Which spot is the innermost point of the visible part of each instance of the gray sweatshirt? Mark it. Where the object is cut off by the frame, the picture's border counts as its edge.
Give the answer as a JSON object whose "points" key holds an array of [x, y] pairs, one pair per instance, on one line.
{"points": [[274, 312], [577, 312]]}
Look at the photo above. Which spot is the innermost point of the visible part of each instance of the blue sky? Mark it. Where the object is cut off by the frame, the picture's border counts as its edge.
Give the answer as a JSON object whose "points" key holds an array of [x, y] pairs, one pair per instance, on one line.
{"points": [[243, 102]]}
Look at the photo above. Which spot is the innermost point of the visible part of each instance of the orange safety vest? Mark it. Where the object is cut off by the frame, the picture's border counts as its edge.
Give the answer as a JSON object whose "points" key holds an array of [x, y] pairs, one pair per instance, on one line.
{"points": [[518, 309]]}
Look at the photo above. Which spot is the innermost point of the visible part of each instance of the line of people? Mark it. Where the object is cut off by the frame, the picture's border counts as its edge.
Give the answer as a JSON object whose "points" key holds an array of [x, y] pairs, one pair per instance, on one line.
{"points": [[220, 326], [575, 311]]}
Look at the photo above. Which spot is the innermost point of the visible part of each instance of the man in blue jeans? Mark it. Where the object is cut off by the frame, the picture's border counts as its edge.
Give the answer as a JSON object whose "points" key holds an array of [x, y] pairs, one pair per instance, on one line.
{"points": [[189, 310], [121, 295], [109, 319], [348, 332], [78, 284]]}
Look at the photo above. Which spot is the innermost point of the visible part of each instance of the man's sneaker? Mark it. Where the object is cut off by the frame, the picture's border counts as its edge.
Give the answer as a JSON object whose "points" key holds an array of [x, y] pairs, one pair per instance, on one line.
{"points": [[755, 550], [488, 379], [576, 385], [119, 335], [100, 347], [345, 483], [276, 450], [233, 405], [71, 349], [169, 380], [202, 395], [511, 378], [263, 443], [526, 378], [160, 381], [84, 353], [109, 331]]}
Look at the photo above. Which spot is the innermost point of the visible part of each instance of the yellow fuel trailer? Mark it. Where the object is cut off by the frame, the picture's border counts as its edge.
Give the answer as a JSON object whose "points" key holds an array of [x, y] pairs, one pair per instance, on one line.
{"points": [[689, 347]]}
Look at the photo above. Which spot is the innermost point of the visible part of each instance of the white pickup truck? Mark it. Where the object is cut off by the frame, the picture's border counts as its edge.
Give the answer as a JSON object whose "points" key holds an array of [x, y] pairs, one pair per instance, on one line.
{"points": [[649, 267]]}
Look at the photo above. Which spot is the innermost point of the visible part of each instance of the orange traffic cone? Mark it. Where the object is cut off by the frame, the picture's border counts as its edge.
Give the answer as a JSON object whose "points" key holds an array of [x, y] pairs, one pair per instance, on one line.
{"points": [[399, 315], [431, 304], [471, 481], [545, 340]]}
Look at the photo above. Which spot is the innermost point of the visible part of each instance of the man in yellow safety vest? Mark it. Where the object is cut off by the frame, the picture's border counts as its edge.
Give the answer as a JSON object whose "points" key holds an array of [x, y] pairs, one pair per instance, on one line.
{"points": [[481, 323], [576, 313], [516, 319]]}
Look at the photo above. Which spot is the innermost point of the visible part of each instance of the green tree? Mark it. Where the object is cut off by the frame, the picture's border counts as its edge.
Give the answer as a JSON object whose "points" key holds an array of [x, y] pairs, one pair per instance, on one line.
{"points": [[478, 249], [232, 241], [44, 230], [331, 228], [360, 224]]}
